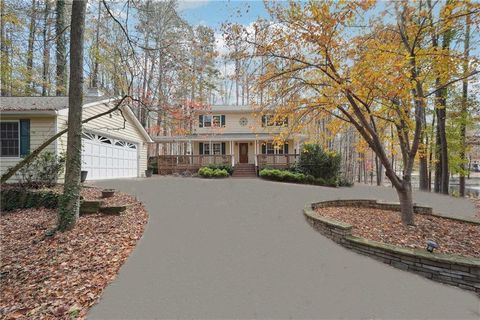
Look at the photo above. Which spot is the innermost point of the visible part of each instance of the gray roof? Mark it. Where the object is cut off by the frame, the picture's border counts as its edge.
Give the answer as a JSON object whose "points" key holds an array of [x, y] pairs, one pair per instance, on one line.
{"points": [[218, 137], [40, 103], [227, 109]]}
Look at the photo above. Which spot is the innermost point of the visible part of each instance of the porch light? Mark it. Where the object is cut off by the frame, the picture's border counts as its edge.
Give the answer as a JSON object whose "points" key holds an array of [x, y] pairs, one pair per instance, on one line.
{"points": [[431, 245]]}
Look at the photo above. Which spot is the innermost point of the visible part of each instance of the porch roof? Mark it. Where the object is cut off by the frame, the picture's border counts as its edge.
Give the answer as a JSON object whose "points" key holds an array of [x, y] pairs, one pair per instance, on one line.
{"points": [[216, 137]]}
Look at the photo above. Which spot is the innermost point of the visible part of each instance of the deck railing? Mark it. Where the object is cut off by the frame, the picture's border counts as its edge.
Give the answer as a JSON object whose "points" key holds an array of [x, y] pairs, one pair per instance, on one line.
{"points": [[276, 160], [181, 163]]}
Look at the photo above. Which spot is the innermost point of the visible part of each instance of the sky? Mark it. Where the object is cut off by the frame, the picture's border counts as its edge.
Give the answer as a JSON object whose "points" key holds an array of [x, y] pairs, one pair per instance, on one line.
{"points": [[214, 13]]}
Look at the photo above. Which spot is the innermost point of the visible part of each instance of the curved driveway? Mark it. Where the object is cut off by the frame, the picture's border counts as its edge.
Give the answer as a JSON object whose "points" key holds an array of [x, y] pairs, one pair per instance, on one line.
{"points": [[240, 248]]}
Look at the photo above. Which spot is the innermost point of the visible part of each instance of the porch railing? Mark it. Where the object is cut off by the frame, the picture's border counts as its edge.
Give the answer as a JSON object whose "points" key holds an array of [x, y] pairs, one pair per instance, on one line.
{"points": [[179, 163], [276, 160]]}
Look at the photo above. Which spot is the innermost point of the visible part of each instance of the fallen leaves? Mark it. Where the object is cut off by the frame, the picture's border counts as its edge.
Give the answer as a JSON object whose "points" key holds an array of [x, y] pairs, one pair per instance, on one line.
{"points": [[453, 237], [62, 276]]}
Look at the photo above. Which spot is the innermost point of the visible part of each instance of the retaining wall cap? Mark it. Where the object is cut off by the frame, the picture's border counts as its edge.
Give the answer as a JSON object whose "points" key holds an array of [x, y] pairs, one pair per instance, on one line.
{"points": [[423, 254], [339, 201], [312, 214]]}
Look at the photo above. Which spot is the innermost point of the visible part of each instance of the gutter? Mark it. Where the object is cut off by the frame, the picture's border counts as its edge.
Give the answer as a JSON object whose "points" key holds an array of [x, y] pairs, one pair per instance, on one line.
{"points": [[29, 113]]}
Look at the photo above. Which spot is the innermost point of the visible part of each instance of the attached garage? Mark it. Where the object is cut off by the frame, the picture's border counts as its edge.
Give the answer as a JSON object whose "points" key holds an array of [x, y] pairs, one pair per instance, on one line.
{"points": [[114, 145], [106, 158]]}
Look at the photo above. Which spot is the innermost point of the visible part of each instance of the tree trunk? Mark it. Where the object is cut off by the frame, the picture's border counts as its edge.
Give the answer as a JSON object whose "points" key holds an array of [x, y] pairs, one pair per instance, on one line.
{"points": [[443, 175], [61, 68], [97, 35], [423, 163], [31, 41], [464, 110], [406, 202], [379, 171], [70, 201], [46, 49], [4, 52]]}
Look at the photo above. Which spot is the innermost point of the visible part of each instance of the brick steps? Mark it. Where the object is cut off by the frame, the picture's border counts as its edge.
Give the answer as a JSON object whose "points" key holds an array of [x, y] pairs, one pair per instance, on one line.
{"points": [[244, 170]]}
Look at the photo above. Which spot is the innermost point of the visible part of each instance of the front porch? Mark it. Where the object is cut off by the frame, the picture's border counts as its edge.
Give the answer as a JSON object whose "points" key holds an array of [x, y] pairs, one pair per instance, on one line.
{"points": [[190, 153]]}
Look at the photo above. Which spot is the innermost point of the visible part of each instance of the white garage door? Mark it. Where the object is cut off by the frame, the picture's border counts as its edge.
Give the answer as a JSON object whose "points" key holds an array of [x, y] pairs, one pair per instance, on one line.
{"points": [[107, 158]]}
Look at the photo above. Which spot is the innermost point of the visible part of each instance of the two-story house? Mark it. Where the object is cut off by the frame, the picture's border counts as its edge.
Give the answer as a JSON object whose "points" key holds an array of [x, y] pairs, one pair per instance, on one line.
{"points": [[233, 135]]}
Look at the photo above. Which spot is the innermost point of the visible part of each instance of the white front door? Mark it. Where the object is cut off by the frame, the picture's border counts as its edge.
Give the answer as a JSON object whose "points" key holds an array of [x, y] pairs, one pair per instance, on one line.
{"points": [[107, 158]]}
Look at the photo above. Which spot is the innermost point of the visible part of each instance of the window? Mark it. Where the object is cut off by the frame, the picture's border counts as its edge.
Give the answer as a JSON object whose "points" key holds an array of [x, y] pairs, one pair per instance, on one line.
{"points": [[212, 148], [206, 148], [10, 139], [207, 121], [271, 148], [216, 121], [268, 121], [217, 148]]}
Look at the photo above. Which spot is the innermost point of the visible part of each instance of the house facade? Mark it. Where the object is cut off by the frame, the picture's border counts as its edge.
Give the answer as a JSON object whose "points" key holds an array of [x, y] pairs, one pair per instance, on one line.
{"points": [[114, 145], [229, 135]]}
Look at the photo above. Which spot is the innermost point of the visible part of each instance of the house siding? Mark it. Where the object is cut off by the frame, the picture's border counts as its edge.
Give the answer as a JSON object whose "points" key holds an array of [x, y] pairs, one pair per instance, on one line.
{"points": [[41, 129], [232, 125]]}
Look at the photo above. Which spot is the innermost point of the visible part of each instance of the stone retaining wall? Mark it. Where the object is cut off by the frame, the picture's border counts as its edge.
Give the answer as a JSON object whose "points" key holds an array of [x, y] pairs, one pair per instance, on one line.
{"points": [[455, 270]]}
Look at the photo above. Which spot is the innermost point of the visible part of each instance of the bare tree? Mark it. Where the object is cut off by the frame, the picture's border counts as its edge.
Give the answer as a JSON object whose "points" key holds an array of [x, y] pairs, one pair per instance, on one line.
{"points": [[61, 68], [46, 49], [464, 110], [31, 41]]}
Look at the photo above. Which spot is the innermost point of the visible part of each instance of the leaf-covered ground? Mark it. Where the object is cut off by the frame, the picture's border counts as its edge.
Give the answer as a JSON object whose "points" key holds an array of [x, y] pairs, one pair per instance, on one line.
{"points": [[385, 226], [476, 201], [60, 277]]}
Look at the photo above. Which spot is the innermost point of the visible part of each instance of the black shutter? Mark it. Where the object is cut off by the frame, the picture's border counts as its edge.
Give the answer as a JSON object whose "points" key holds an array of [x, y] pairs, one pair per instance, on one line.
{"points": [[264, 121], [223, 147], [222, 120], [24, 137], [200, 121], [285, 148], [264, 148], [200, 148]]}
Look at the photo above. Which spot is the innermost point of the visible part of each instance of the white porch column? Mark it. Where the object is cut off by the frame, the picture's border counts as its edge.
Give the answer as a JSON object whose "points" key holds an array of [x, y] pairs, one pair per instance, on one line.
{"points": [[232, 153], [256, 152]]}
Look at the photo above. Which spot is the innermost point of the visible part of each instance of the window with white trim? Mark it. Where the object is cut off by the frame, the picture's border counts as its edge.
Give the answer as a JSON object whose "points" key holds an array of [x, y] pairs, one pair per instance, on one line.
{"points": [[206, 148], [272, 148], [207, 121], [10, 139], [268, 120], [217, 148]]}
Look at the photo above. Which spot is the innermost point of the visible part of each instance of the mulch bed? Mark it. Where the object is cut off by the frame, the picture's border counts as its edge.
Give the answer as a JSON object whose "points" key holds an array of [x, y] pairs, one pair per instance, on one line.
{"points": [[453, 237], [62, 276], [476, 202]]}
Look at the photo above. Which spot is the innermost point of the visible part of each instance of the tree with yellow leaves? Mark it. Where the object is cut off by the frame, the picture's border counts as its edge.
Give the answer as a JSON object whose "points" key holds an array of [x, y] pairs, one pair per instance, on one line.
{"points": [[321, 59]]}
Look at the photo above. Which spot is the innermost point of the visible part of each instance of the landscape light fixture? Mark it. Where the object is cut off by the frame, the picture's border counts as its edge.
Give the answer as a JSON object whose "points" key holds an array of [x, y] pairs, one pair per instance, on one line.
{"points": [[431, 245]]}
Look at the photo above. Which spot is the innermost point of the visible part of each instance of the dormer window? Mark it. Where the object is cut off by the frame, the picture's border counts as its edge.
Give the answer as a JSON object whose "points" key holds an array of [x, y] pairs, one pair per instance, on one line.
{"points": [[209, 121]]}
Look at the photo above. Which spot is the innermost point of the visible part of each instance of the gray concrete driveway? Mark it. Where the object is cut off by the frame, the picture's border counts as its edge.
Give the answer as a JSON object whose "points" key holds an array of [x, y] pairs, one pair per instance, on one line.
{"points": [[240, 248]]}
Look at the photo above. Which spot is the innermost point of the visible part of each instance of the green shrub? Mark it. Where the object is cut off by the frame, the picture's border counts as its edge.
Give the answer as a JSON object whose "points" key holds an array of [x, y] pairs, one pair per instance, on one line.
{"points": [[43, 171], [296, 177], [225, 167], [342, 182], [21, 198], [318, 163], [207, 172]]}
